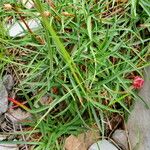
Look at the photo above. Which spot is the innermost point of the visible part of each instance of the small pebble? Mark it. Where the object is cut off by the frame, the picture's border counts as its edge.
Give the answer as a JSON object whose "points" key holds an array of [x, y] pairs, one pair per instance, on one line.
{"points": [[27, 3], [18, 29], [120, 137], [9, 147], [102, 145], [3, 137]]}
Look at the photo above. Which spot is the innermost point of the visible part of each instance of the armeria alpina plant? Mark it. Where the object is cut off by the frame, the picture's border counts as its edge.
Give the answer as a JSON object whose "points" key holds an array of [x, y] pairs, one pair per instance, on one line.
{"points": [[138, 82]]}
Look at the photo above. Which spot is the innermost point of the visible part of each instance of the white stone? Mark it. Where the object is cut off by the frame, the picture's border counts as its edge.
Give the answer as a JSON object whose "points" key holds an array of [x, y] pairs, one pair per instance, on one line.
{"points": [[8, 147], [102, 145], [18, 29], [27, 3]]}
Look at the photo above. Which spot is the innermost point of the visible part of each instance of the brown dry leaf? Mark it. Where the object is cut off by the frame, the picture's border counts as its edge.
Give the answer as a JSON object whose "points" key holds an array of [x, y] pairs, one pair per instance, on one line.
{"points": [[7, 7], [17, 115], [51, 3], [82, 141], [46, 14], [67, 14], [40, 40], [122, 1]]}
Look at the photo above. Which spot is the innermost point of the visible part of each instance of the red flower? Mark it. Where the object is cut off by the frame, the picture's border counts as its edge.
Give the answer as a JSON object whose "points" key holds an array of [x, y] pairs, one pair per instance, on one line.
{"points": [[138, 82]]}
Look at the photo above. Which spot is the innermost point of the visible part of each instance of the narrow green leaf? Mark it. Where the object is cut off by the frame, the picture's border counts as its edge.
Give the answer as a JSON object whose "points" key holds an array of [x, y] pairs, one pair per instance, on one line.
{"points": [[118, 99], [133, 7]]}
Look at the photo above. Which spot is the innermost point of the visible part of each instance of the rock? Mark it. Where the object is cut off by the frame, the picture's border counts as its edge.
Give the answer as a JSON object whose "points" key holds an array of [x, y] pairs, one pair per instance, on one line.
{"points": [[27, 3], [102, 145], [73, 143], [82, 141], [17, 115], [120, 137], [8, 82], [3, 98], [139, 120], [89, 137], [9, 147], [18, 29], [3, 137]]}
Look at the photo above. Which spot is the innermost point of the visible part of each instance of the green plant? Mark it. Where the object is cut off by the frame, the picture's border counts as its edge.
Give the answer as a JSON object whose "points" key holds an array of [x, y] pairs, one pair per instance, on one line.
{"points": [[90, 49]]}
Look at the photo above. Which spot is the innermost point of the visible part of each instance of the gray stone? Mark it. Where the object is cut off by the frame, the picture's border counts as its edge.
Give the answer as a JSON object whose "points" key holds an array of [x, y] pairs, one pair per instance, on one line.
{"points": [[3, 98], [120, 138], [102, 145], [138, 124], [8, 82]]}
